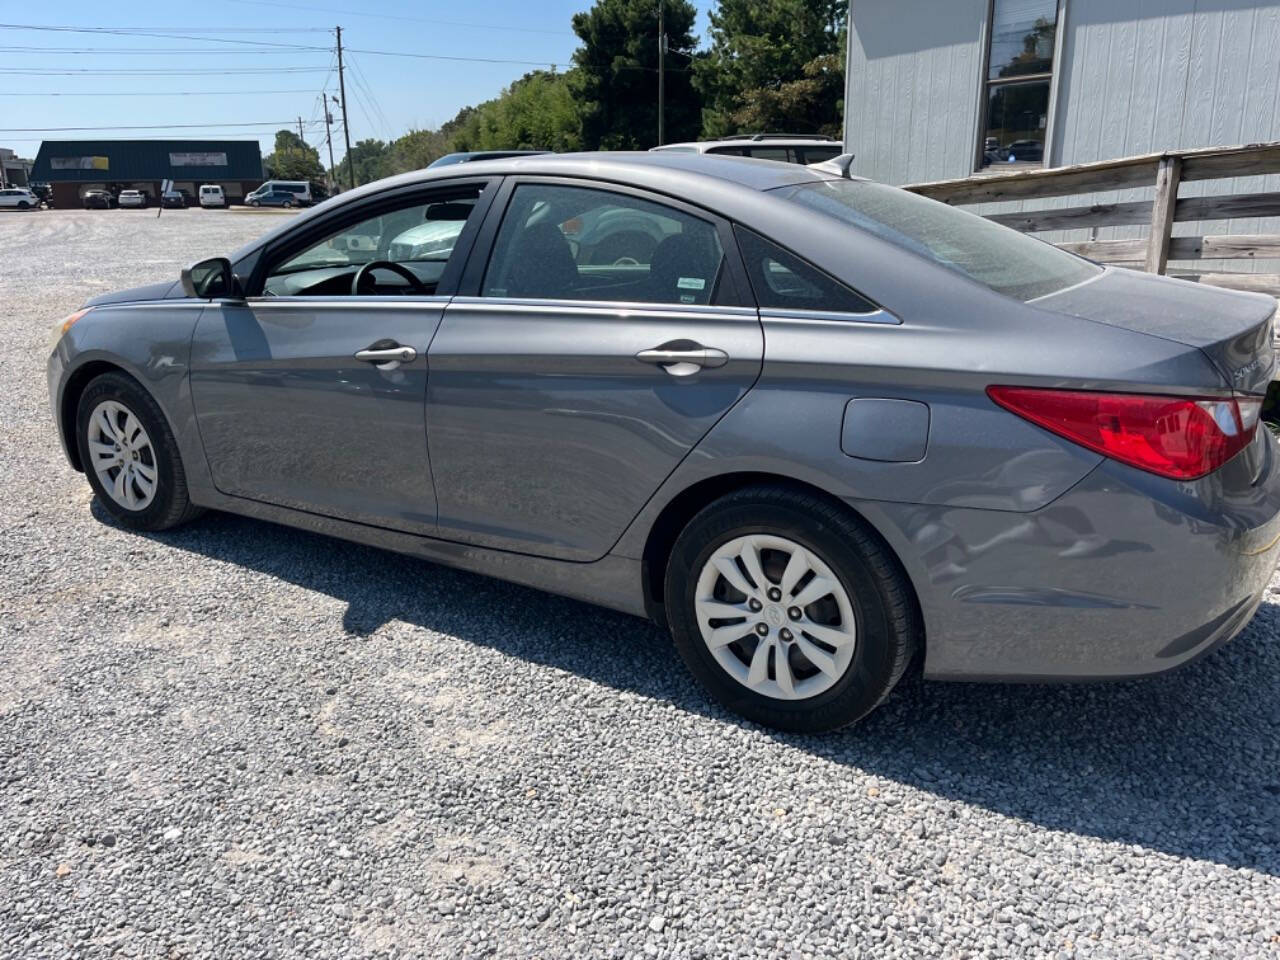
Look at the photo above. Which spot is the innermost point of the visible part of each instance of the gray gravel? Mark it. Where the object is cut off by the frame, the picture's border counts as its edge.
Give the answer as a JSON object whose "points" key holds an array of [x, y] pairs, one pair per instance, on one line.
{"points": [[238, 740]]}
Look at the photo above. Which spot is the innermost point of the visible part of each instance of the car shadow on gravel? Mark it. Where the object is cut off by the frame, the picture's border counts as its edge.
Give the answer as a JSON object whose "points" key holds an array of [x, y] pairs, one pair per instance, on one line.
{"points": [[1187, 763]]}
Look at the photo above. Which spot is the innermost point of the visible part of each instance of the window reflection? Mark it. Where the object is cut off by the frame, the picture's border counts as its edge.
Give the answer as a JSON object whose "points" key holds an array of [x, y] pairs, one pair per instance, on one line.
{"points": [[1022, 34], [1019, 75]]}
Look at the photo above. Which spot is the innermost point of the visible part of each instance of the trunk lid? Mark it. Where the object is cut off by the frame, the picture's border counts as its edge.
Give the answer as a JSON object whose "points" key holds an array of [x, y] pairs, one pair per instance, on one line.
{"points": [[1233, 329]]}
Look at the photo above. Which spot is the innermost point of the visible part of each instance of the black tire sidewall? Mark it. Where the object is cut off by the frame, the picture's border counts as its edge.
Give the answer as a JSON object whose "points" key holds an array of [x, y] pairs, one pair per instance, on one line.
{"points": [[111, 386], [870, 672]]}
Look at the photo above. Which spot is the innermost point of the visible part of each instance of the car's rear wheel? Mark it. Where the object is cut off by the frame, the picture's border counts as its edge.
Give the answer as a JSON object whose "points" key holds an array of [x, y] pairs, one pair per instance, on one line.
{"points": [[130, 455], [790, 610], [23, 205], [287, 204]]}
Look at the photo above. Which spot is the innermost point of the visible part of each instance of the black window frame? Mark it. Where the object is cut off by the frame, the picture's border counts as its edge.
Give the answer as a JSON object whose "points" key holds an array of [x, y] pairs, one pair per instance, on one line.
{"points": [[732, 291]]}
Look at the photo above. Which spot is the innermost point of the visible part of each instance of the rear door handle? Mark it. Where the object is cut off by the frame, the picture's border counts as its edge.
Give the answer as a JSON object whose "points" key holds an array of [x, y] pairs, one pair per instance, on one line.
{"points": [[683, 361], [381, 354]]}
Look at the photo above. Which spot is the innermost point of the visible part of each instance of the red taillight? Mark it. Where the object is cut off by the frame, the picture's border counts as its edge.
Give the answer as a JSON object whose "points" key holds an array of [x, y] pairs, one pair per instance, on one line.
{"points": [[1178, 437]]}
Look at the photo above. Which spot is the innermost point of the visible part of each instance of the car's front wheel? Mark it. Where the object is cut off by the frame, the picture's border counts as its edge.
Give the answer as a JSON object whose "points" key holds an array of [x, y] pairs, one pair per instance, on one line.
{"points": [[23, 205], [253, 203], [790, 610], [287, 204], [130, 455]]}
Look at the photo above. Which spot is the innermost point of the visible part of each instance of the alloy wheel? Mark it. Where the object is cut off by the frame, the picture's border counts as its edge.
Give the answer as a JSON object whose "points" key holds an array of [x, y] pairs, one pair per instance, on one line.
{"points": [[122, 455], [775, 616]]}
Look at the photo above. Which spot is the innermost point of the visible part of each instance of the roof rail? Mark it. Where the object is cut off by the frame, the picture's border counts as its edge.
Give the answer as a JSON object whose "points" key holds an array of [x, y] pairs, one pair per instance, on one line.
{"points": [[779, 136]]}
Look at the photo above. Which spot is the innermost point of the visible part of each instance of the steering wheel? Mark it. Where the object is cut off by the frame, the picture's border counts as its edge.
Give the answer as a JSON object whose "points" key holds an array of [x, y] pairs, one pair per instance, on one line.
{"points": [[358, 281]]}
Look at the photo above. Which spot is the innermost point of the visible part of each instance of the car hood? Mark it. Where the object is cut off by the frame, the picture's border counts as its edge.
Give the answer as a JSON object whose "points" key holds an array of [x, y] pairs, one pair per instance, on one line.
{"points": [[1234, 329], [151, 291]]}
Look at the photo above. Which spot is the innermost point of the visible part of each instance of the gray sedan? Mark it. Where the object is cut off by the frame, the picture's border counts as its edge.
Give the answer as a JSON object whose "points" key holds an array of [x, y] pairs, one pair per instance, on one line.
{"points": [[819, 427]]}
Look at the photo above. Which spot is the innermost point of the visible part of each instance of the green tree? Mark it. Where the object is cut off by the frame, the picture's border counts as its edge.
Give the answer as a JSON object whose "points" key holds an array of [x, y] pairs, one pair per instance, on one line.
{"points": [[415, 150], [617, 72], [293, 159], [369, 158], [537, 112], [773, 65]]}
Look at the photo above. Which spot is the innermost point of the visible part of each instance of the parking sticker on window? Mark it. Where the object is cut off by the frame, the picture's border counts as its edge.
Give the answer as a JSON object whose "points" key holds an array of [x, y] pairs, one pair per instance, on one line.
{"points": [[691, 283]]}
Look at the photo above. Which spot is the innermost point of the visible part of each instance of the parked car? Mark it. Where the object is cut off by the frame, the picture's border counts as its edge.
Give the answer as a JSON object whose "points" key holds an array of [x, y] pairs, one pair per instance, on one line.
{"points": [[98, 200], [175, 199], [823, 428], [299, 192], [132, 198], [785, 147], [212, 195], [43, 192], [274, 198], [471, 155], [19, 198]]}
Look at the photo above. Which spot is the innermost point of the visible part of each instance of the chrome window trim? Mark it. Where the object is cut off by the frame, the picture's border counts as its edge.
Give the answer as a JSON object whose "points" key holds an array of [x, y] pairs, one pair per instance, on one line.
{"points": [[622, 307], [363, 302], [829, 316]]}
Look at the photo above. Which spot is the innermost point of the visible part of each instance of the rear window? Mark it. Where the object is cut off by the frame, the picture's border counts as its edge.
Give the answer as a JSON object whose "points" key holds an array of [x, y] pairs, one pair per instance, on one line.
{"points": [[1002, 259]]}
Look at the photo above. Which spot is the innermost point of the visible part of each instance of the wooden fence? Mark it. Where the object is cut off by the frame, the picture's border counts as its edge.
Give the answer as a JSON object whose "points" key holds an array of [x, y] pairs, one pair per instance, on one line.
{"points": [[1166, 172]]}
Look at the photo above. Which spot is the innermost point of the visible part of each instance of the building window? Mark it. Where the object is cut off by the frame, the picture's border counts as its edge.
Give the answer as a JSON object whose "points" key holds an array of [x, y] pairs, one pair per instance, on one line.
{"points": [[1019, 77]]}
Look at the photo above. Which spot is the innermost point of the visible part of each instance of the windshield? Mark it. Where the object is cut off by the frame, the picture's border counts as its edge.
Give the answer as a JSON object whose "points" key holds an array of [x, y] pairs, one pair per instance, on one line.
{"points": [[1002, 259]]}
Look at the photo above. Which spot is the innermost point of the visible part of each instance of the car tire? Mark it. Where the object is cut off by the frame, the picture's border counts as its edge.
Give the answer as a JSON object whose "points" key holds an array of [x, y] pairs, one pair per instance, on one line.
{"points": [[253, 203], [23, 205], [150, 456], [864, 631], [287, 204]]}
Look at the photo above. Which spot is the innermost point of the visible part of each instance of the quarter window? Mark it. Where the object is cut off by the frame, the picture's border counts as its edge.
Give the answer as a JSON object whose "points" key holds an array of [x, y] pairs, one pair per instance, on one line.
{"points": [[782, 281], [576, 243], [1018, 82]]}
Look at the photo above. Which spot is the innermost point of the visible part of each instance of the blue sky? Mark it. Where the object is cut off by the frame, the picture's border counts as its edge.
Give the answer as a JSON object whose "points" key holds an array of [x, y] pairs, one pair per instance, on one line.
{"points": [[57, 78]]}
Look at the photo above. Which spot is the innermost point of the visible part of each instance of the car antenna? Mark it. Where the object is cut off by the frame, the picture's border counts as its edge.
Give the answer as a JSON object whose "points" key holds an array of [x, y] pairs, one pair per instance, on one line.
{"points": [[844, 162]]}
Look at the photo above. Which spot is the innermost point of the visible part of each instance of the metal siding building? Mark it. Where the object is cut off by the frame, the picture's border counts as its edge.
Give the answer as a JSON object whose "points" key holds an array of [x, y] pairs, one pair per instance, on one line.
{"points": [[1126, 77], [73, 166]]}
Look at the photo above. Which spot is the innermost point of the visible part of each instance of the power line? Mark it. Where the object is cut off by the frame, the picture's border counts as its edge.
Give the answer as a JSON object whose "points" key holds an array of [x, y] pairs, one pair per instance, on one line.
{"points": [[158, 72], [219, 136], [391, 16], [145, 31], [154, 93], [155, 126], [173, 51]]}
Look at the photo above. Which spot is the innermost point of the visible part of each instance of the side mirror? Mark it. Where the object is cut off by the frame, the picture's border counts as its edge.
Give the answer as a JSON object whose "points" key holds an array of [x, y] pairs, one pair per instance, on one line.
{"points": [[209, 279]]}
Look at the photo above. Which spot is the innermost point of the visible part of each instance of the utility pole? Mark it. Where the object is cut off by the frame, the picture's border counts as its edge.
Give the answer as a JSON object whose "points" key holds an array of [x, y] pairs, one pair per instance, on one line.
{"points": [[346, 127], [300, 136], [328, 138], [662, 63]]}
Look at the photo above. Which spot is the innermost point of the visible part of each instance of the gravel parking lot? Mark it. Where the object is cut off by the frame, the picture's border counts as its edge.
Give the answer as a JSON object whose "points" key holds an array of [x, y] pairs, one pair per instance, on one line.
{"points": [[238, 740]]}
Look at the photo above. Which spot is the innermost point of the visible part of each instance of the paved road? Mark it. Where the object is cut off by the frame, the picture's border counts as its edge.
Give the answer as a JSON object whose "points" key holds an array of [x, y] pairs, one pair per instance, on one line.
{"points": [[237, 740]]}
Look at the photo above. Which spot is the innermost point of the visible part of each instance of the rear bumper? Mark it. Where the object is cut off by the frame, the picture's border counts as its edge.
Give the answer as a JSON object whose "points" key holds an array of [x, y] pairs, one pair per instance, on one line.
{"points": [[1124, 575]]}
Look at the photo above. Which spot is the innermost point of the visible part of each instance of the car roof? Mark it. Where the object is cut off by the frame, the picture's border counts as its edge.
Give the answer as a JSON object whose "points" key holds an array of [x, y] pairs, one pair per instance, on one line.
{"points": [[799, 140], [641, 168]]}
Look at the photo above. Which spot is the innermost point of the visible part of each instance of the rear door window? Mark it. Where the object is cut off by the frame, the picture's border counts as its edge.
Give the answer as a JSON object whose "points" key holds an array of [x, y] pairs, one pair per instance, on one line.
{"points": [[579, 243]]}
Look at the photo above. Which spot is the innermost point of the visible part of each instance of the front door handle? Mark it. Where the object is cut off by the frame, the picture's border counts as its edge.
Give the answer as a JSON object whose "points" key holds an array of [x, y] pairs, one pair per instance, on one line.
{"points": [[683, 360], [386, 354]]}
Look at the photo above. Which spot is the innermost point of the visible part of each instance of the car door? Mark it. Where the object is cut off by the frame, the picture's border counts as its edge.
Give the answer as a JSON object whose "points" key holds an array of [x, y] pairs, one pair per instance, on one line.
{"points": [[603, 337], [310, 396]]}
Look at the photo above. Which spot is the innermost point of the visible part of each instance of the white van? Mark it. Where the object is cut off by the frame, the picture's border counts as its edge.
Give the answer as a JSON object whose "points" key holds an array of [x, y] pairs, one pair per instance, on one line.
{"points": [[211, 195], [299, 188]]}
